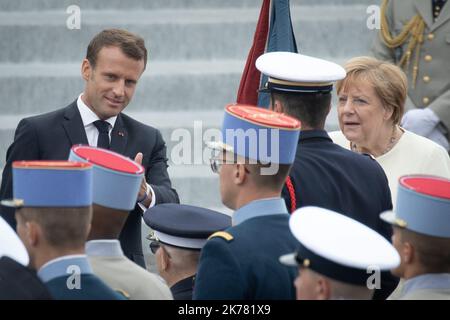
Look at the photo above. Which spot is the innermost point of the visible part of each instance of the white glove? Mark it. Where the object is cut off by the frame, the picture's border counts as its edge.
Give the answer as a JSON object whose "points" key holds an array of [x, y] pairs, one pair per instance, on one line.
{"points": [[420, 121], [437, 136]]}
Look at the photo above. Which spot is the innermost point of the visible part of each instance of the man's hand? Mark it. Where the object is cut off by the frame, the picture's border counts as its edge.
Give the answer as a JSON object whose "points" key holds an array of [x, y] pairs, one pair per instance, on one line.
{"points": [[144, 196], [420, 121]]}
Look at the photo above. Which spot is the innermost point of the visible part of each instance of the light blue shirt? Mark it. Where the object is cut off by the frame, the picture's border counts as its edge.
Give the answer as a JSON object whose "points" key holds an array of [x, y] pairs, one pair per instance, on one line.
{"points": [[64, 266], [427, 281], [104, 248], [259, 208]]}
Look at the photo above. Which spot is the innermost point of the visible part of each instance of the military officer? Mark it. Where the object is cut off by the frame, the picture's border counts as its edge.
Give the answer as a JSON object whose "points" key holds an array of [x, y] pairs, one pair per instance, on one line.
{"points": [[346, 269], [253, 159], [116, 183], [415, 35], [179, 234], [17, 282], [422, 237], [324, 174], [53, 201]]}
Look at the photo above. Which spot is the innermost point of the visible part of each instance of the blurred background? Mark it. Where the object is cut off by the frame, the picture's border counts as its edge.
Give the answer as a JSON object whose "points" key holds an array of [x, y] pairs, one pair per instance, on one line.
{"points": [[197, 52]]}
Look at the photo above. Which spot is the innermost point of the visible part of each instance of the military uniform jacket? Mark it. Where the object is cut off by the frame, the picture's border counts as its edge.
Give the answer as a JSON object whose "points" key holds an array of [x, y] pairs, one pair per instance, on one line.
{"points": [[182, 290], [242, 263], [432, 87], [121, 274], [71, 278], [424, 287], [329, 176], [326, 175]]}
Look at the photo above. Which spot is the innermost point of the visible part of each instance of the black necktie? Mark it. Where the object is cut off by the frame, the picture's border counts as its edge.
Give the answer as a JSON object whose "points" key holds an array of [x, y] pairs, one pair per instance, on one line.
{"points": [[103, 136]]}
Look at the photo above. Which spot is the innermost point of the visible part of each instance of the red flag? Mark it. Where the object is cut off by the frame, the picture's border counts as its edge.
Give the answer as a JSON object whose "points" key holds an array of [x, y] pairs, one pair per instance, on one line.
{"points": [[250, 80]]}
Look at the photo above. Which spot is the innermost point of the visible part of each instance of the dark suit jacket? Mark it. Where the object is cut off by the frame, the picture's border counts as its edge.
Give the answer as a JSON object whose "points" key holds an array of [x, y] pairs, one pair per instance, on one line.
{"points": [[50, 136], [20, 283]]}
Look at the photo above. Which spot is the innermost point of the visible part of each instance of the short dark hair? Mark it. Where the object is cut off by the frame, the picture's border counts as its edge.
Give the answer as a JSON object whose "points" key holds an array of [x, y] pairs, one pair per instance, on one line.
{"points": [[268, 181], [62, 227], [433, 253], [310, 108], [133, 46]]}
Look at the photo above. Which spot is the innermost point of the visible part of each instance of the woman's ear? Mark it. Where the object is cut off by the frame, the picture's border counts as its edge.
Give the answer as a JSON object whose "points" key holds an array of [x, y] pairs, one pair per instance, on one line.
{"points": [[388, 112]]}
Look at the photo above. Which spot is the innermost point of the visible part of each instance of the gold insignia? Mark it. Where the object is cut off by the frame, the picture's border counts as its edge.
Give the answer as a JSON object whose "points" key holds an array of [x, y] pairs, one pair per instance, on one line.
{"points": [[123, 293], [401, 223], [14, 203], [306, 263], [223, 235]]}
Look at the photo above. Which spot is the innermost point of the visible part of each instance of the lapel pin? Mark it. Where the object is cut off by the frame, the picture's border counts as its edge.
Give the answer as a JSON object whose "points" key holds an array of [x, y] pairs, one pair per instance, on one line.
{"points": [[121, 134]]}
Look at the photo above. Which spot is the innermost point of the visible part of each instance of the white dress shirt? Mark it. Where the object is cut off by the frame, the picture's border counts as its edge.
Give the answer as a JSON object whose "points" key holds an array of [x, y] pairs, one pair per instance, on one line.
{"points": [[89, 117]]}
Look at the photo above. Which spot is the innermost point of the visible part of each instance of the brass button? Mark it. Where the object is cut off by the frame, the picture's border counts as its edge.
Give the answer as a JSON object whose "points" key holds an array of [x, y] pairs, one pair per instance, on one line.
{"points": [[428, 58], [430, 36], [426, 79], [426, 100]]}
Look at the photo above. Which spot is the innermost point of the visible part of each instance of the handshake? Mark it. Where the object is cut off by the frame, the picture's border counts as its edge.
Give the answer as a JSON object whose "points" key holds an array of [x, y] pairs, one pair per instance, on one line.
{"points": [[425, 122]]}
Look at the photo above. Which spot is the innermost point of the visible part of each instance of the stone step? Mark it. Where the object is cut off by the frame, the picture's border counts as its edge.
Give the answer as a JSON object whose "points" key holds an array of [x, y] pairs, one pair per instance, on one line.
{"points": [[179, 128], [39, 5], [164, 86], [201, 34], [38, 88]]}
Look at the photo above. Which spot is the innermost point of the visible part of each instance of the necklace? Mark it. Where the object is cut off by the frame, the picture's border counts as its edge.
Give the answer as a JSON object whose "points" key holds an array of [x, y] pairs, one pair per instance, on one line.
{"points": [[392, 141]]}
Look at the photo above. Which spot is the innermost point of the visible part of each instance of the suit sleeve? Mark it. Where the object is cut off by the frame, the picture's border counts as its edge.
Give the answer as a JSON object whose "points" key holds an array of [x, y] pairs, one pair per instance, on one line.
{"points": [[157, 176], [219, 276], [24, 147]]}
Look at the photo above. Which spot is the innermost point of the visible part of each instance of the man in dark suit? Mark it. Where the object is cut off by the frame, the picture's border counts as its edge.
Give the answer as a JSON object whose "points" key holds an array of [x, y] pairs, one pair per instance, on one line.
{"points": [[114, 62], [324, 174]]}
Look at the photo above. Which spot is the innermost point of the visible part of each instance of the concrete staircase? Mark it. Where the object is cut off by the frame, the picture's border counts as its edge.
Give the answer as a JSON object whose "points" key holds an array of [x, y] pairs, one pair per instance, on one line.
{"points": [[197, 50]]}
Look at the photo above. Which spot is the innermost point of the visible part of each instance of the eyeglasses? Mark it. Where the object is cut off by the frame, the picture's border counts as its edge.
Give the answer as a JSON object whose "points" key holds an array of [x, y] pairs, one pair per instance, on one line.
{"points": [[216, 164], [154, 246]]}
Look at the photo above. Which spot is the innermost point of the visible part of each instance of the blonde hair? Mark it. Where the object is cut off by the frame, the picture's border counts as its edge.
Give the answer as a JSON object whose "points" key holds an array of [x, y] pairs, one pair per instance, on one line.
{"points": [[388, 80]]}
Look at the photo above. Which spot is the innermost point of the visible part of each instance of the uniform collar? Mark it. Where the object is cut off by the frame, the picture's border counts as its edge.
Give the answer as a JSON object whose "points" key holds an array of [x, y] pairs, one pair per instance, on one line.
{"points": [[88, 116], [259, 208], [314, 134], [427, 281], [64, 266], [108, 248], [183, 285]]}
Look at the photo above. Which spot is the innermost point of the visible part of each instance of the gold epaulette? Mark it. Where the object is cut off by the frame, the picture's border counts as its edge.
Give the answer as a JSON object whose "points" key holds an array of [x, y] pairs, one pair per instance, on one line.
{"points": [[222, 234], [125, 294]]}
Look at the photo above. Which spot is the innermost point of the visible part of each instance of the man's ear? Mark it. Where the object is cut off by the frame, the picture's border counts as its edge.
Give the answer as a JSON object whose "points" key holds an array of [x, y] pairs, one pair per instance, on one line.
{"points": [[33, 233], [408, 252], [165, 260], [86, 69], [239, 174], [323, 289], [277, 106]]}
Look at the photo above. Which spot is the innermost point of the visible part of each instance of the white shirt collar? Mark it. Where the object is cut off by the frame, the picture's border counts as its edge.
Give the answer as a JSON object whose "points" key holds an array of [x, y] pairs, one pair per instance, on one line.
{"points": [[62, 258], [88, 116]]}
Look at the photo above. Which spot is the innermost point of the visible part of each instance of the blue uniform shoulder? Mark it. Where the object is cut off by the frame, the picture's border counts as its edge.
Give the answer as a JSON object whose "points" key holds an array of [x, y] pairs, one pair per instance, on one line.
{"points": [[91, 288]]}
